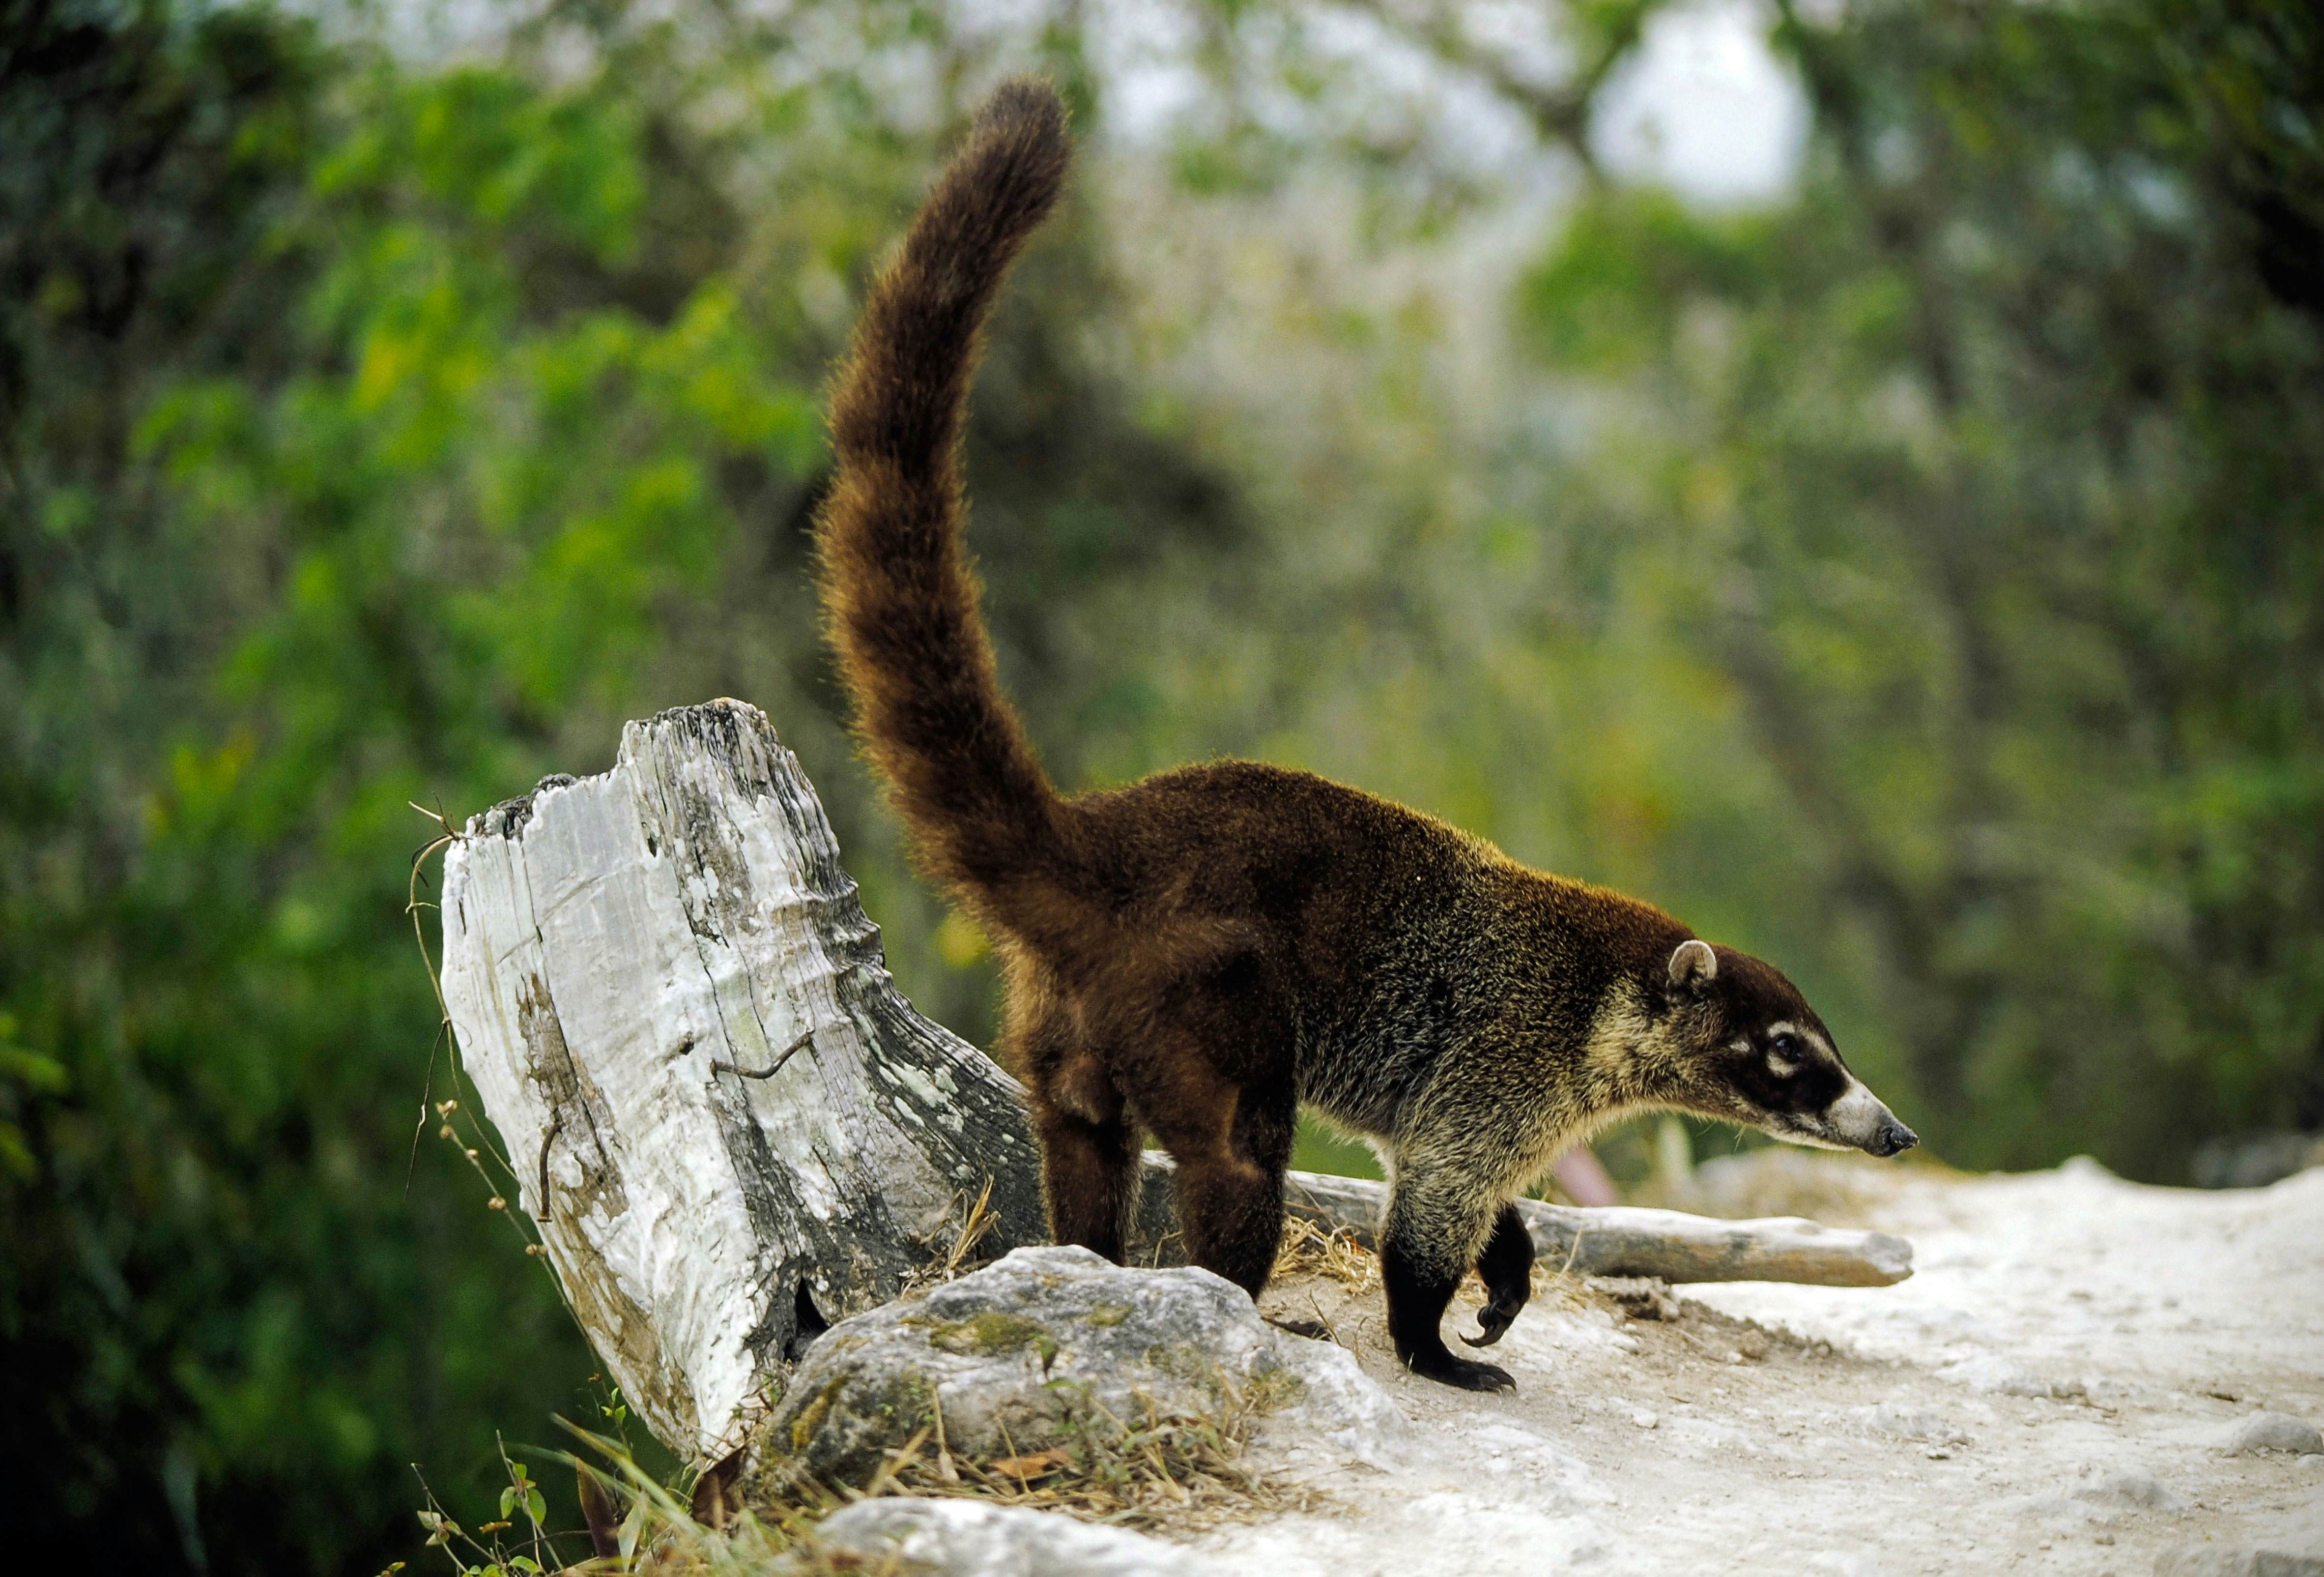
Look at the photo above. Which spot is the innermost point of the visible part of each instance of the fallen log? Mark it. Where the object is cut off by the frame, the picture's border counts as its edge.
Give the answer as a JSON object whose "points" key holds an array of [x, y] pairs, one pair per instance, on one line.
{"points": [[1624, 1240], [729, 1127]]}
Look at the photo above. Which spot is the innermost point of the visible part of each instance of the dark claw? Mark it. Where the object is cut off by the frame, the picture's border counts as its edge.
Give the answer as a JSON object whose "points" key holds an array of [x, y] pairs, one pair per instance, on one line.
{"points": [[1447, 1369], [1492, 1320], [1477, 1376]]}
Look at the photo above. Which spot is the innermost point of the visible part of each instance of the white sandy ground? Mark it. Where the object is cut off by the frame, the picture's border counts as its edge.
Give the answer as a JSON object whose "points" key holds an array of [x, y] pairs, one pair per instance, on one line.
{"points": [[2040, 1396]]}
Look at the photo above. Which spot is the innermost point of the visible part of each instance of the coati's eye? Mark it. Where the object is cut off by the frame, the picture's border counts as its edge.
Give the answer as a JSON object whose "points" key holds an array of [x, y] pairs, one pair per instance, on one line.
{"points": [[1784, 1055]]}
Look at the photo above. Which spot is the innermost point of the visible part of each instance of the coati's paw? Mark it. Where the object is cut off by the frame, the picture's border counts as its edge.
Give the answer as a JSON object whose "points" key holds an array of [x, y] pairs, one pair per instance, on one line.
{"points": [[1467, 1375], [1314, 1330], [1492, 1320]]}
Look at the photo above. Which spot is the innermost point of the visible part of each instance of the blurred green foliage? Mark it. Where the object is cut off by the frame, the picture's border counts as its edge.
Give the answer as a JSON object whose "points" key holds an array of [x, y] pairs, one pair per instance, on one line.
{"points": [[1989, 476], [375, 434], [1919, 583]]}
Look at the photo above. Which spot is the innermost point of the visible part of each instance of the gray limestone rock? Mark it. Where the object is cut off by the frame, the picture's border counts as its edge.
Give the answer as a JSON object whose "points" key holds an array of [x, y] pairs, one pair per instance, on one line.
{"points": [[973, 1538], [2214, 1561], [2130, 1487], [1910, 1423], [2257, 1432], [1049, 1343], [2099, 1496], [1999, 1376]]}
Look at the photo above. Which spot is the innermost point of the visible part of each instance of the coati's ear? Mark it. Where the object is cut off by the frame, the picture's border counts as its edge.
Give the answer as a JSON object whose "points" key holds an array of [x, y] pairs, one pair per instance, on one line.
{"points": [[1693, 964]]}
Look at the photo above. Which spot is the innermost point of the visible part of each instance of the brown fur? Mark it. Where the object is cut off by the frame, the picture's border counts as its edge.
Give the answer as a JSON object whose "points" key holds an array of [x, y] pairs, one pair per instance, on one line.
{"points": [[1202, 952]]}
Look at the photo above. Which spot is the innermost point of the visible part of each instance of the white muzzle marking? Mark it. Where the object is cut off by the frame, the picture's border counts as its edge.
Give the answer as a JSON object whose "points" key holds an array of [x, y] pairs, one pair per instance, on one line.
{"points": [[1856, 1120]]}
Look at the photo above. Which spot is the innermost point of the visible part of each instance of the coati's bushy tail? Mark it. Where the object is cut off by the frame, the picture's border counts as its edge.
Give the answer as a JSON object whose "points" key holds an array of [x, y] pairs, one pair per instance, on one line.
{"points": [[897, 589]]}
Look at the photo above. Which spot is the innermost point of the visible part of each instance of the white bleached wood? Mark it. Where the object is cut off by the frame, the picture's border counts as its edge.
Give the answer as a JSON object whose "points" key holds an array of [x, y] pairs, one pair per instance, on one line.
{"points": [[732, 1129], [1626, 1241], [621, 954]]}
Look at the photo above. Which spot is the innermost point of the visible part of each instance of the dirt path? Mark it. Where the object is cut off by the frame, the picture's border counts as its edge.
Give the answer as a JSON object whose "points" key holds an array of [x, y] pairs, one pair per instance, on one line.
{"points": [[2043, 1396]]}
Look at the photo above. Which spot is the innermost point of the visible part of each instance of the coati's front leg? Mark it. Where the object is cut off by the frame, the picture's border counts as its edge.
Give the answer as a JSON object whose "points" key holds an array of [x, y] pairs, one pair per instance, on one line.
{"points": [[1437, 1224], [1505, 1268]]}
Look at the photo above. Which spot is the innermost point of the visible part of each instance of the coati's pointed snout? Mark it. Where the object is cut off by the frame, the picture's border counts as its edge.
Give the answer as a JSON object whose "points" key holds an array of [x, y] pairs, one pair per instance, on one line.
{"points": [[1894, 1139], [1857, 1120]]}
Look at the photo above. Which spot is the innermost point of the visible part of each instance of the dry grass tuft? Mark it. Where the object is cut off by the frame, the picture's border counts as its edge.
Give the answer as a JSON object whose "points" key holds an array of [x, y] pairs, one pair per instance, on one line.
{"points": [[1308, 1249], [967, 1223], [1152, 1472]]}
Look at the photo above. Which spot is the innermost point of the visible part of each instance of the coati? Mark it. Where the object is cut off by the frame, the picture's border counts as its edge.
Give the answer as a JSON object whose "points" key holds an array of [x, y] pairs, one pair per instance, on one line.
{"points": [[1200, 953]]}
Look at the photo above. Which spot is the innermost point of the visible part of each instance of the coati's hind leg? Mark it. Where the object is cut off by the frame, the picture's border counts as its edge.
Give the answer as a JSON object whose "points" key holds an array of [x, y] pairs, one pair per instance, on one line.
{"points": [[1089, 1145], [1505, 1268], [1438, 1222], [1232, 1148], [1088, 1172]]}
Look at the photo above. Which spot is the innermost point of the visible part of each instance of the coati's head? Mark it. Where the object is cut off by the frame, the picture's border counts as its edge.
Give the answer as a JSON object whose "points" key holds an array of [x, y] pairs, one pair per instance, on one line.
{"points": [[1734, 1039]]}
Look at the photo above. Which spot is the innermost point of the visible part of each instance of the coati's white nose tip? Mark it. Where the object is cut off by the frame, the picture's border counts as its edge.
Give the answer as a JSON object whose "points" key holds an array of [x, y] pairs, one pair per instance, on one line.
{"points": [[1860, 1119]]}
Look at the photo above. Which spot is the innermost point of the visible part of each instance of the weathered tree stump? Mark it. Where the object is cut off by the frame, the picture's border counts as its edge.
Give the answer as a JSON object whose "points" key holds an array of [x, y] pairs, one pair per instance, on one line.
{"points": [[730, 1127]]}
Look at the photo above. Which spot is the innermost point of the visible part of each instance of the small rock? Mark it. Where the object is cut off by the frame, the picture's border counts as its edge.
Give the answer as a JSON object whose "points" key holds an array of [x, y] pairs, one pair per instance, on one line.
{"points": [[1642, 1297], [1024, 1353], [1556, 1481], [1852, 1563], [1992, 1373], [1752, 1345], [2258, 1432], [2131, 1487], [1904, 1423], [2101, 1497], [2212, 1561], [974, 1539], [1642, 1419]]}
